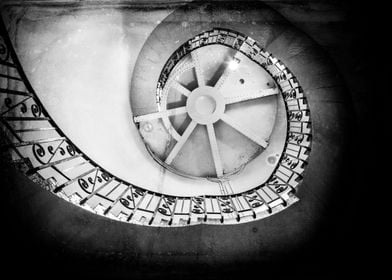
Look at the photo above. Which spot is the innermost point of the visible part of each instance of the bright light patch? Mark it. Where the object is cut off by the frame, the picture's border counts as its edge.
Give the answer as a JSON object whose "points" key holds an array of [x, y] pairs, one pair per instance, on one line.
{"points": [[233, 64]]}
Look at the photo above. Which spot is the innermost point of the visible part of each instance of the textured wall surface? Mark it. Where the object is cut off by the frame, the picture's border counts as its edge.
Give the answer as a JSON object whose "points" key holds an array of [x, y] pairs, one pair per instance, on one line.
{"points": [[47, 236]]}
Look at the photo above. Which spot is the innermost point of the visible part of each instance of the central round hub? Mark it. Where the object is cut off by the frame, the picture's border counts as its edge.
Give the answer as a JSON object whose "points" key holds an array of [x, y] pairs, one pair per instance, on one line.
{"points": [[205, 105]]}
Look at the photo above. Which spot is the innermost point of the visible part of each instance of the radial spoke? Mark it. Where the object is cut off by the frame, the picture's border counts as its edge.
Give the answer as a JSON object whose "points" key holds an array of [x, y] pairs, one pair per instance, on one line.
{"points": [[180, 143], [180, 88], [244, 130], [214, 150], [247, 96], [231, 67], [199, 71], [161, 114]]}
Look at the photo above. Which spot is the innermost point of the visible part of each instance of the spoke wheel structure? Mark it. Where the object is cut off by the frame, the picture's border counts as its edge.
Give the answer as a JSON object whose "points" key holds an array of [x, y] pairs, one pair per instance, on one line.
{"points": [[219, 109]]}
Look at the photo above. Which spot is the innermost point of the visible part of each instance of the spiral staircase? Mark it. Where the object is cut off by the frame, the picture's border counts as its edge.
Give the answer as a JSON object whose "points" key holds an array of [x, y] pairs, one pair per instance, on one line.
{"points": [[198, 177]]}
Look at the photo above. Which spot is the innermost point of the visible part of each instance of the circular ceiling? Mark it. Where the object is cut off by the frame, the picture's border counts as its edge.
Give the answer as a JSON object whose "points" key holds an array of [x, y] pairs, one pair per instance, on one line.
{"points": [[220, 114]]}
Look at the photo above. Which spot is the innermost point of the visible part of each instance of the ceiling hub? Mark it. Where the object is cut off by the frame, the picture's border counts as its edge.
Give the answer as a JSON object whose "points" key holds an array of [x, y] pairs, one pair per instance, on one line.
{"points": [[205, 105]]}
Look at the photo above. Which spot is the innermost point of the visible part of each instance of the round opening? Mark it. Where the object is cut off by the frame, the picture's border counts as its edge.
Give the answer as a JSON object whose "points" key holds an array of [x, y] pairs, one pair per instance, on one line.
{"points": [[210, 123]]}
